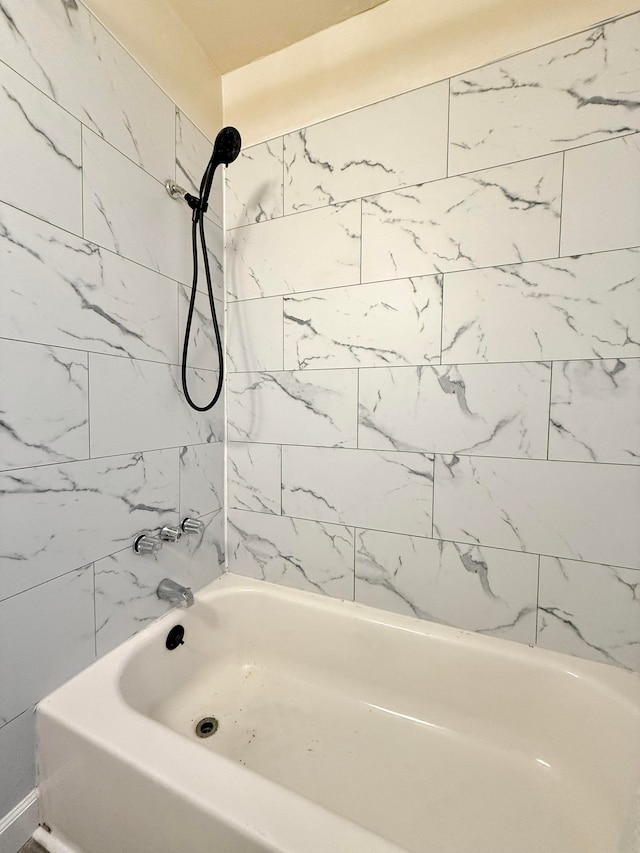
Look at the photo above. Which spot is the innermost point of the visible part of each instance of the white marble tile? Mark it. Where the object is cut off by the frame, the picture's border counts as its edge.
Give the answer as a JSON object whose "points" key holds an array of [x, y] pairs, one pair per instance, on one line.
{"points": [[64, 291], [254, 184], [193, 151], [58, 517], [577, 510], [577, 90], [40, 156], [254, 476], [293, 407], [126, 584], [64, 51], [17, 760], [495, 410], [255, 334], [595, 411], [129, 212], [47, 635], [201, 479], [567, 308], [43, 419], [498, 216], [362, 488], [139, 405], [203, 349], [302, 554], [590, 610], [368, 325], [362, 152], [600, 199], [479, 589], [308, 251]]}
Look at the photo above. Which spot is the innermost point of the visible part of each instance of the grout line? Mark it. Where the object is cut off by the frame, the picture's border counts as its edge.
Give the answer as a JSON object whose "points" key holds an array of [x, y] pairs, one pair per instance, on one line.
{"points": [[82, 225], [498, 266], [283, 180], [561, 206], [549, 415], [525, 459], [361, 237], [442, 290], [448, 124], [416, 185], [433, 365], [89, 404], [463, 72], [437, 539], [281, 476], [95, 620], [538, 600], [354, 563], [433, 498], [358, 408]]}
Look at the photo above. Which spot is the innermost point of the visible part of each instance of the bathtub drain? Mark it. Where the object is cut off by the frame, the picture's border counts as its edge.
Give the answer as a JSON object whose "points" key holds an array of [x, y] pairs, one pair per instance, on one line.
{"points": [[206, 727]]}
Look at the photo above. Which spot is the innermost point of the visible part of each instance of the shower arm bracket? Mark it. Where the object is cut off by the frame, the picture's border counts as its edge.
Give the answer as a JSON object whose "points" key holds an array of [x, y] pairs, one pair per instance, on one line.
{"points": [[176, 191]]}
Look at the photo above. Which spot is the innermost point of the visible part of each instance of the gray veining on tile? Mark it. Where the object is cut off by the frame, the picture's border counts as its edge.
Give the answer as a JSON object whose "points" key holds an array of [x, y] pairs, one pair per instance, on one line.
{"points": [[600, 200], [574, 91], [254, 185], [293, 407], [254, 477], [368, 325], [201, 479], [497, 409], [255, 334], [590, 610], [140, 404], [362, 488], [480, 589], [59, 517], [64, 51], [497, 216], [126, 597], [595, 411], [45, 419], [64, 291], [193, 151], [361, 152], [312, 250], [567, 308], [40, 157], [563, 509], [303, 554], [40, 650]]}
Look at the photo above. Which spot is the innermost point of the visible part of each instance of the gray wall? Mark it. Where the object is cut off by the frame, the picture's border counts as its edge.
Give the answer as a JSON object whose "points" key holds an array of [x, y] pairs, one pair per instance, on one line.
{"points": [[434, 323], [96, 442]]}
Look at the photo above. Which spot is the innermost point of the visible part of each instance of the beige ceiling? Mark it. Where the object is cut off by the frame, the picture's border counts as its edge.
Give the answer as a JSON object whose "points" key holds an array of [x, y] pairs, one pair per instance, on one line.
{"points": [[234, 33]]}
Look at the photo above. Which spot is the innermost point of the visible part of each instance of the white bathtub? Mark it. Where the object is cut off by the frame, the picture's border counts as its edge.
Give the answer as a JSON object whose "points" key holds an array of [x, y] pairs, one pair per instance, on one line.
{"points": [[341, 729]]}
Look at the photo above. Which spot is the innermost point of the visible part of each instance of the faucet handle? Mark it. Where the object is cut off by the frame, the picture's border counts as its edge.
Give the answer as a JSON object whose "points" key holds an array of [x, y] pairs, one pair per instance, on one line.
{"points": [[192, 525], [146, 544], [170, 534]]}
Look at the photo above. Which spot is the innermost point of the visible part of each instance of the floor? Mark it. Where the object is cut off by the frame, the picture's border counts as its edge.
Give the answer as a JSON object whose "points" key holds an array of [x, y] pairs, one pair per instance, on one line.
{"points": [[32, 847]]}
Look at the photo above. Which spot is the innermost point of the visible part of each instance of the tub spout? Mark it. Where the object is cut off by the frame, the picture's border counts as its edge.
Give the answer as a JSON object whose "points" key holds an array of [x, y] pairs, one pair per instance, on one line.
{"points": [[174, 593]]}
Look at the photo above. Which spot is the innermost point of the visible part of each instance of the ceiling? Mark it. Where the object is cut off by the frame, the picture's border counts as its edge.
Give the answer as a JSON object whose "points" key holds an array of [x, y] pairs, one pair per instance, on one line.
{"points": [[234, 33]]}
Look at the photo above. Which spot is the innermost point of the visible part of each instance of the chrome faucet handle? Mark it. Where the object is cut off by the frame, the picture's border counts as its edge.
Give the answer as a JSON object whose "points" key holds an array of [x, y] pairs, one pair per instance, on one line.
{"points": [[192, 525], [170, 534], [147, 544]]}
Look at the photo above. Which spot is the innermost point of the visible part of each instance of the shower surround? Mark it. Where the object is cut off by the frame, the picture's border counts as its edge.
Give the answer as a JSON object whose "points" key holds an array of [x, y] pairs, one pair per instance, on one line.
{"points": [[96, 442], [434, 344]]}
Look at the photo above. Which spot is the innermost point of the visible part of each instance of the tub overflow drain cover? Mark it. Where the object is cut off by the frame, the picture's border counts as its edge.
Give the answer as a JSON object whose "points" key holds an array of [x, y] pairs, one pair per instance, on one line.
{"points": [[207, 726]]}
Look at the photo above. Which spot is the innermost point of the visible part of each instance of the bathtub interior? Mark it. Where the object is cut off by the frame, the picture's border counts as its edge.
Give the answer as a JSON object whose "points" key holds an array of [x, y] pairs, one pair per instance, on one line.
{"points": [[414, 731]]}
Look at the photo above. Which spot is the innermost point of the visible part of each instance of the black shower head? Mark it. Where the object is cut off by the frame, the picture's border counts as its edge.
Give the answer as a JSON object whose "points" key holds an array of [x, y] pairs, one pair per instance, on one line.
{"points": [[225, 150], [226, 147]]}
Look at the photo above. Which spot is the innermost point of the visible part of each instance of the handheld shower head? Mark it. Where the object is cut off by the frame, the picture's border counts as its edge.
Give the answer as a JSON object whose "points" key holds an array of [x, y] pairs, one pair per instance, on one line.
{"points": [[225, 150], [226, 147]]}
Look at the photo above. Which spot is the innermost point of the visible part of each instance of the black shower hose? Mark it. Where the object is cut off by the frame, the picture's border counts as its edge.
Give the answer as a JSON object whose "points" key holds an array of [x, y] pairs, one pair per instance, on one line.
{"points": [[197, 225]]}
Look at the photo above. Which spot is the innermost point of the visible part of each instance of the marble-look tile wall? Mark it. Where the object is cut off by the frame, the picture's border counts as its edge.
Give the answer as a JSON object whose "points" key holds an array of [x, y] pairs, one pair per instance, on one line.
{"points": [[96, 441], [434, 339]]}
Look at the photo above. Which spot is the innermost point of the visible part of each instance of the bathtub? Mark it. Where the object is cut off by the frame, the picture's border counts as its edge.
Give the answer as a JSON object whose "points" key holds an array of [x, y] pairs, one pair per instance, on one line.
{"points": [[341, 729]]}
